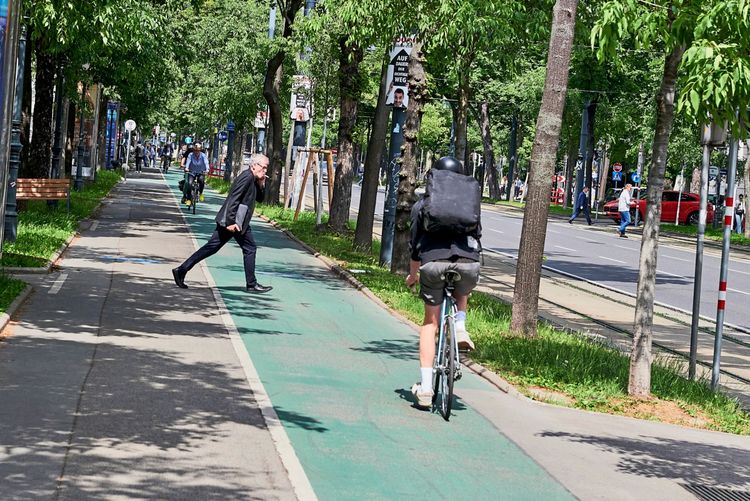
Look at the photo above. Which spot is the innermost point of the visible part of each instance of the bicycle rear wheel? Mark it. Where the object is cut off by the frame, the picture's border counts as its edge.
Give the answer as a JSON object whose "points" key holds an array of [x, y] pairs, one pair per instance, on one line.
{"points": [[195, 197], [449, 369]]}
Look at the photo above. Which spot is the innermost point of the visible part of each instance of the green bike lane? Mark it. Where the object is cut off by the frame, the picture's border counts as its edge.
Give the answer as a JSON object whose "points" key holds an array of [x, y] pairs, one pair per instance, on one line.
{"points": [[338, 368]]}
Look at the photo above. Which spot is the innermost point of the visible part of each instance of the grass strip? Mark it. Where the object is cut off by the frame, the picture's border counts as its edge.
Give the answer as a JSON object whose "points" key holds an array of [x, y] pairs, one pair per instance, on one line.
{"points": [[588, 374], [218, 184], [43, 229], [10, 288], [711, 233]]}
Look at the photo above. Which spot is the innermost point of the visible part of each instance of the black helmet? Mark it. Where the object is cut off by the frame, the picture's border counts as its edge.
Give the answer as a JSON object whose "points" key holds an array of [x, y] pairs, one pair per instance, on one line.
{"points": [[448, 163]]}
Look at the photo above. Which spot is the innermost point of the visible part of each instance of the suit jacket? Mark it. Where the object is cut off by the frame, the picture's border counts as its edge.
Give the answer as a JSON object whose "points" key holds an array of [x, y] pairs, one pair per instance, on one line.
{"points": [[583, 201], [240, 203]]}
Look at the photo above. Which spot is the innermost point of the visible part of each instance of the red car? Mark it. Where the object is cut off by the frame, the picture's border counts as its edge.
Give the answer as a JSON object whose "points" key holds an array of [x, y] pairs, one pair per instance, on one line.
{"points": [[689, 208]]}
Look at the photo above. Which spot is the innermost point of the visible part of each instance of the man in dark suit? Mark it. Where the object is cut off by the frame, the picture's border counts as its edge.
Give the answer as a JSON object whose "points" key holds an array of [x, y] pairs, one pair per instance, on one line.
{"points": [[233, 221], [582, 205]]}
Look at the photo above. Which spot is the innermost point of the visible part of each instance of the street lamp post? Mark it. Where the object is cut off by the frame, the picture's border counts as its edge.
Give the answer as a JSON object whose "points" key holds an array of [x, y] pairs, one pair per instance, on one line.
{"points": [[11, 214]]}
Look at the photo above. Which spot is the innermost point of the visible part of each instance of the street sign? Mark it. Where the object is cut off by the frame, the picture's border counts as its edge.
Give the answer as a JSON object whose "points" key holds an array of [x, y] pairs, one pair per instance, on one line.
{"points": [[617, 167], [636, 178], [130, 125], [398, 73], [617, 176], [223, 136], [230, 126]]}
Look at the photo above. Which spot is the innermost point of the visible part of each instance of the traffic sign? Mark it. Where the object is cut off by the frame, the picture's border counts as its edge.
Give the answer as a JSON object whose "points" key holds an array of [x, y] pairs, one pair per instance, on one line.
{"points": [[617, 176], [617, 167], [636, 178], [130, 125], [230, 126], [223, 136]]}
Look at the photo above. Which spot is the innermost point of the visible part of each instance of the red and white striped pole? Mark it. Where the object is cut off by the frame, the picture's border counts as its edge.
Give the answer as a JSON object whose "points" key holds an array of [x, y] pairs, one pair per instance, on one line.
{"points": [[723, 274]]}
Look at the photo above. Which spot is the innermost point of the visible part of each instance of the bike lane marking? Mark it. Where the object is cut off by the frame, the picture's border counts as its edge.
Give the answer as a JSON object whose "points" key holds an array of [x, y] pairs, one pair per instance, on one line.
{"points": [[338, 368]]}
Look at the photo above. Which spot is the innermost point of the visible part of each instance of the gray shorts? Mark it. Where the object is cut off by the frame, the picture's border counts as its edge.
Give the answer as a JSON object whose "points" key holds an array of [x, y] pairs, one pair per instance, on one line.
{"points": [[431, 283]]}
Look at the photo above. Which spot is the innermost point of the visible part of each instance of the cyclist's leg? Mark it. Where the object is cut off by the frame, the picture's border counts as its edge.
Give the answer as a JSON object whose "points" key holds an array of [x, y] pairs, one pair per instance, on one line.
{"points": [[201, 182], [187, 187], [469, 272], [431, 291]]}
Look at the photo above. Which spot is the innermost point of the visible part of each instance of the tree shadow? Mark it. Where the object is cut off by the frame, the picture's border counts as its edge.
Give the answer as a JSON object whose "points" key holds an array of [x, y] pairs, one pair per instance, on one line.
{"points": [[680, 460], [400, 349]]}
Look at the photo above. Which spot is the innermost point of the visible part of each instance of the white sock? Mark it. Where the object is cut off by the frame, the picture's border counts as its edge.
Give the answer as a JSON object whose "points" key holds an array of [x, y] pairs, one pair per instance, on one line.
{"points": [[461, 324], [426, 378]]}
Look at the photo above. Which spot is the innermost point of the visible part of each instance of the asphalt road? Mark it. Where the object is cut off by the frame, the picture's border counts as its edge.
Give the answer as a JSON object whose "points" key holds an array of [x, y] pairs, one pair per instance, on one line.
{"points": [[598, 255]]}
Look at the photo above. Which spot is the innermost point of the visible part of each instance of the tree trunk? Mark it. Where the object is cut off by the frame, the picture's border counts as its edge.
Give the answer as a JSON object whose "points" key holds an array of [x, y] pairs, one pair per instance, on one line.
{"points": [[407, 183], [26, 108], [369, 193], [570, 170], [462, 109], [543, 159], [70, 147], [271, 95], [639, 384], [40, 152], [350, 90], [489, 156]]}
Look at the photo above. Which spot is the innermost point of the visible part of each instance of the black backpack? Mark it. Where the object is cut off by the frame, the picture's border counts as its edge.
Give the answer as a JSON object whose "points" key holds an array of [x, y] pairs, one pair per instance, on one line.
{"points": [[452, 203]]}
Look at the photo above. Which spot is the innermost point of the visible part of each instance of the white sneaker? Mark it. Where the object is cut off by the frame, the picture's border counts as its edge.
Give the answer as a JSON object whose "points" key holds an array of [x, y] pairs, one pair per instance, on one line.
{"points": [[423, 398], [464, 341]]}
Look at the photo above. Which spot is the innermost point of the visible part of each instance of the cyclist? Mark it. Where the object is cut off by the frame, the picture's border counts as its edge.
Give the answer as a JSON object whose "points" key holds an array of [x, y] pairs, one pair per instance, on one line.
{"points": [[166, 156], [432, 254], [196, 166]]}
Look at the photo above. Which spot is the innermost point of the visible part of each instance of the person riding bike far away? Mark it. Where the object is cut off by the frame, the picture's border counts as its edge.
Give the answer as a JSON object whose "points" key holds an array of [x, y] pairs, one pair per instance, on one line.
{"points": [[196, 166], [436, 249]]}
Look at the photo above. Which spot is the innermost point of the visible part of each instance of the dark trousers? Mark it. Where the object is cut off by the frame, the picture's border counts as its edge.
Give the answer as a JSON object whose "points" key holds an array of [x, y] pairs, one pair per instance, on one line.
{"points": [[221, 236], [586, 212], [138, 164]]}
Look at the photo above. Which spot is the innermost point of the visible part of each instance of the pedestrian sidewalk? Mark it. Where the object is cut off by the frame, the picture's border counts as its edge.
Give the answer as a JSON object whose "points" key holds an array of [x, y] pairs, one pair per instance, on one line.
{"points": [[120, 385]]}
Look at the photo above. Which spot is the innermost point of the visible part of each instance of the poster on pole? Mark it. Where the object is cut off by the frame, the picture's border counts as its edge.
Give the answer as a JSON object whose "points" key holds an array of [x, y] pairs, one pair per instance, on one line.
{"points": [[261, 119], [398, 72], [301, 96]]}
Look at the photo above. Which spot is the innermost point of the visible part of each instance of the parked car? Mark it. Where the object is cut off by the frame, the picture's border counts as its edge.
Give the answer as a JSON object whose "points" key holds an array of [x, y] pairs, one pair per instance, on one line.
{"points": [[689, 208]]}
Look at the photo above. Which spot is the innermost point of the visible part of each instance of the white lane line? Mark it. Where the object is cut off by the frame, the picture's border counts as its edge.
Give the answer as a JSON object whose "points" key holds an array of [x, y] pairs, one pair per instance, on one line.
{"points": [[677, 259], [94, 225], [565, 248], [739, 292], [613, 260], [57, 285], [496, 231], [738, 271], [672, 274], [552, 231]]}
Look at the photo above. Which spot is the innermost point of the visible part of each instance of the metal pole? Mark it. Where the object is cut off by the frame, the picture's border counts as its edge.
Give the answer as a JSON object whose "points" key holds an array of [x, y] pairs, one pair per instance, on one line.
{"points": [[583, 152], [679, 196], [78, 185], [11, 213], [641, 160], [230, 151], [127, 152], [698, 275], [512, 156], [723, 274], [391, 196]]}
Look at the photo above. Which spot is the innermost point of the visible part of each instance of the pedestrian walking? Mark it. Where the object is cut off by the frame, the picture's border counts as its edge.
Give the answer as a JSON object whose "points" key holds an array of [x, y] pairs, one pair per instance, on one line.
{"points": [[140, 153], [517, 184], [233, 221], [739, 215], [582, 205], [623, 206]]}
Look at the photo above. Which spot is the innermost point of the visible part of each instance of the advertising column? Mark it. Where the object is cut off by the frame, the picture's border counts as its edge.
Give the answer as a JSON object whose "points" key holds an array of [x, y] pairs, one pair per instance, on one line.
{"points": [[9, 16]]}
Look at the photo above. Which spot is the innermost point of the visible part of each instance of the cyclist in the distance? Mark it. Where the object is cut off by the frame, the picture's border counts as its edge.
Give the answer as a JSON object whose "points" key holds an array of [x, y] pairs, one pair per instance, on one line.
{"points": [[432, 254], [196, 166]]}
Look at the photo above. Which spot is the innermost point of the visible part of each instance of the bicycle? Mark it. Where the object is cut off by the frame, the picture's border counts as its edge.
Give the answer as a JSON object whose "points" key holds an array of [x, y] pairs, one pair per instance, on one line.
{"points": [[194, 190], [447, 366]]}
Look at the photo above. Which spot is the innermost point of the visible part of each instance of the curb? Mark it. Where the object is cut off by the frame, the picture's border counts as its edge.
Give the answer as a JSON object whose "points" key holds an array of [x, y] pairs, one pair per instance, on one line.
{"points": [[42, 270], [475, 367], [20, 299]]}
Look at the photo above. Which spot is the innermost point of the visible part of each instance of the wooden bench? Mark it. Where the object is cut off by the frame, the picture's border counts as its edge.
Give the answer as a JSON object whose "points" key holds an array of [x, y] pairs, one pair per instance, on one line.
{"points": [[43, 189]]}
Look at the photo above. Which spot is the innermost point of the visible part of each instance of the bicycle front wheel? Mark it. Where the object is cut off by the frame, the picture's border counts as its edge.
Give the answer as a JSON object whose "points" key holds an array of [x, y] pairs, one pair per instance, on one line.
{"points": [[448, 369]]}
